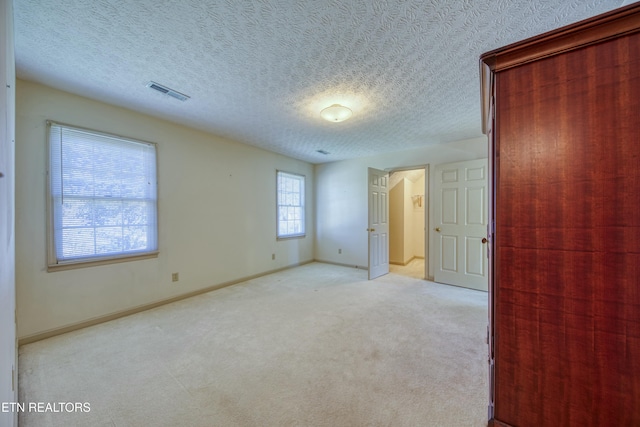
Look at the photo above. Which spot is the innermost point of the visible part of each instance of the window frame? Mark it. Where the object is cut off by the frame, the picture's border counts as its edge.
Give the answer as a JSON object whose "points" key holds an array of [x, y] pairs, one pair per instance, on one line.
{"points": [[53, 264], [303, 205]]}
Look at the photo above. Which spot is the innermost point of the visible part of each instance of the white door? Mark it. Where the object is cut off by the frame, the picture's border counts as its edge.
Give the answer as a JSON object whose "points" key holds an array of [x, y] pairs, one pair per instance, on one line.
{"points": [[378, 223], [461, 224]]}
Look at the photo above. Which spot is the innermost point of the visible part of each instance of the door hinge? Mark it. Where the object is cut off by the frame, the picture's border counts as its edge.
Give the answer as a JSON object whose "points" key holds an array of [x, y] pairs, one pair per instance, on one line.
{"points": [[490, 342]]}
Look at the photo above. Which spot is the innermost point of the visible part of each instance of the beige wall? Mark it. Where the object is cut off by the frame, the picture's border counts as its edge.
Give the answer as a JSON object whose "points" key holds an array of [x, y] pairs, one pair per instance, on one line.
{"points": [[418, 217], [216, 214], [397, 223], [408, 222], [8, 359]]}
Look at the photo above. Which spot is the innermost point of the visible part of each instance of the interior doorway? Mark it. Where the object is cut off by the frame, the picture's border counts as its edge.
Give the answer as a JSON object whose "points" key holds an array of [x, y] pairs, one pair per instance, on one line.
{"points": [[408, 221]]}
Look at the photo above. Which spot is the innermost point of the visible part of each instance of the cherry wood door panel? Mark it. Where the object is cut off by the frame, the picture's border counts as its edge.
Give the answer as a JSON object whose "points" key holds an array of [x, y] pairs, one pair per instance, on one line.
{"points": [[567, 238]]}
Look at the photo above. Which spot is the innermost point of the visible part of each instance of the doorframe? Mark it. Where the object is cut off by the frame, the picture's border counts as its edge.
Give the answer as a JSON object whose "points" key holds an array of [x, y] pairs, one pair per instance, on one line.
{"points": [[427, 210]]}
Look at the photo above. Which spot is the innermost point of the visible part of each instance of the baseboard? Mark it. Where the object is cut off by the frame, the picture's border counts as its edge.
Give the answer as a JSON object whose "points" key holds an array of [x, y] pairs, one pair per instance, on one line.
{"points": [[495, 423], [341, 264], [400, 263], [108, 317], [406, 263]]}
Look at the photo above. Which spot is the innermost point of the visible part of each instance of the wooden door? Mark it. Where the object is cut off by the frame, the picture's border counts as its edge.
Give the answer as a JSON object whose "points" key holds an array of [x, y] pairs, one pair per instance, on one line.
{"points": [[461, 224]]}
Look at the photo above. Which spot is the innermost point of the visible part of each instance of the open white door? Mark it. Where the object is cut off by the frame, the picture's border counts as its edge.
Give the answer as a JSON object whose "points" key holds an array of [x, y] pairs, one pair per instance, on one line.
{"points": [[461, 224], [378, 223]]}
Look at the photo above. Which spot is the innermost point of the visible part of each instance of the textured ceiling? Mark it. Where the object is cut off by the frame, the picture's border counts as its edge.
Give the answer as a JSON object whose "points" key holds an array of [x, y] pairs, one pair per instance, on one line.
{"points": [[260, 71]]}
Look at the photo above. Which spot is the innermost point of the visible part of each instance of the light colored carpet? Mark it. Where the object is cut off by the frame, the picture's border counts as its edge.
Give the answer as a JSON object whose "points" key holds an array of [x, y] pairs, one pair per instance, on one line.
{"points": [[317, 345], [414, 268]]}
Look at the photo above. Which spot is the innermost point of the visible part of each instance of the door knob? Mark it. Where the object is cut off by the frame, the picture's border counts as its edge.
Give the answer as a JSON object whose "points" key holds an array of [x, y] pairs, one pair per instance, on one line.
{"points": [[484, 240], [437, 229]]}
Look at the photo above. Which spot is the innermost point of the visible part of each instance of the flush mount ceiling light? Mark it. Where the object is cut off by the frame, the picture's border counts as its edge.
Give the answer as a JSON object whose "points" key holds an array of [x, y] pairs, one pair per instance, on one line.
{"points": [[336, 113]]}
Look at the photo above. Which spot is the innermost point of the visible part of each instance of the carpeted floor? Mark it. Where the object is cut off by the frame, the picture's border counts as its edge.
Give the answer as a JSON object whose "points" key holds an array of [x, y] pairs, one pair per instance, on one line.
{"points": [[415, 268], [317, 345]]}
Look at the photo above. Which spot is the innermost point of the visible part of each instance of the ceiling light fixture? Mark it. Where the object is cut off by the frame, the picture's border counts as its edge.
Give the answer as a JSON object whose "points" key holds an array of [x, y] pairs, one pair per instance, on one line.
{"points": [[336, 113]]}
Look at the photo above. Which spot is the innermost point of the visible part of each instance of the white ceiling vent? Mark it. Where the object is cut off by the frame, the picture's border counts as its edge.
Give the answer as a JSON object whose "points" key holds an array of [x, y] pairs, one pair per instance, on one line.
{"points": [[168, 91]]}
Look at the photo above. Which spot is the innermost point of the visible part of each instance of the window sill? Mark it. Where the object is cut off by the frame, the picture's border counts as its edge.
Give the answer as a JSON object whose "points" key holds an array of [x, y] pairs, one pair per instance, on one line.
{"points": [[297, 236], [72, 265]]}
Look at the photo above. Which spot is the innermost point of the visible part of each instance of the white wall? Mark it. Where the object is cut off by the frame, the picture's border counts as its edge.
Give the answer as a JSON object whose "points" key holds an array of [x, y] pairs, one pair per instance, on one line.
{"points": [[216, 212], [341, 196], [8, 358]]}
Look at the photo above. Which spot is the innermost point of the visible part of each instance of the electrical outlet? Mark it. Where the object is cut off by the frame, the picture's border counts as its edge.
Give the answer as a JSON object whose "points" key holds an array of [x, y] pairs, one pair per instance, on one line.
{"points": [[175, 277], [273, 256], [339, 251]]}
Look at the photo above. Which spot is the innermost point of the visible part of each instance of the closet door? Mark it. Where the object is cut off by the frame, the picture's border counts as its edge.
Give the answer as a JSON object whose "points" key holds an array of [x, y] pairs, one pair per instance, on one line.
{"points": [[566, 283]]}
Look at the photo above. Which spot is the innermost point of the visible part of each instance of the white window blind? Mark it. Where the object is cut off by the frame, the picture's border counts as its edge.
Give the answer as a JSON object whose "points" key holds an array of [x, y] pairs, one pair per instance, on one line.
{"points": [[290, 189], [103, 196]]}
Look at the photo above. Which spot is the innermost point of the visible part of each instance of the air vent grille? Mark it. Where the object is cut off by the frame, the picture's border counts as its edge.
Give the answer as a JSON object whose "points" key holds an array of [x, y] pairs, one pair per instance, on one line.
{"points": [[167, 91]]}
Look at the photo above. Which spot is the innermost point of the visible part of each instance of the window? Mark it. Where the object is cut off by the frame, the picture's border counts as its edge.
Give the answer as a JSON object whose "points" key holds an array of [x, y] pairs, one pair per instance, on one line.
{"points": [[290, 188], [102, 197]]}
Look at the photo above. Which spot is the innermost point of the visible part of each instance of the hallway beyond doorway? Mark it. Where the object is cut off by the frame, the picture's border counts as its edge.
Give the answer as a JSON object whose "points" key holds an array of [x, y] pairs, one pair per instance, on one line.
{"points": [[415, 268]]}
